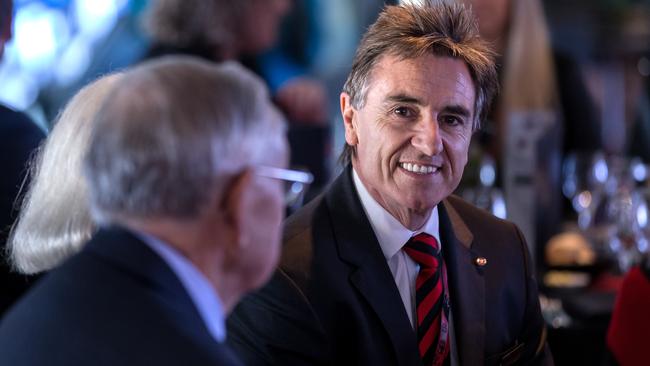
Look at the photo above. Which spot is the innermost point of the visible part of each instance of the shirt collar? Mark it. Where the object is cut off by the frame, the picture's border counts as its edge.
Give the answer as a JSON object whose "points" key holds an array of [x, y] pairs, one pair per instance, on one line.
{"points": [[205, 298], [391, 234]]}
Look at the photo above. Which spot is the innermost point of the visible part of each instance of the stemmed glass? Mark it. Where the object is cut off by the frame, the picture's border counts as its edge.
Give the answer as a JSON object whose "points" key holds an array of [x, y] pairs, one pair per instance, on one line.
{"points": [[585, 177], [612, 210], [486, 195]]}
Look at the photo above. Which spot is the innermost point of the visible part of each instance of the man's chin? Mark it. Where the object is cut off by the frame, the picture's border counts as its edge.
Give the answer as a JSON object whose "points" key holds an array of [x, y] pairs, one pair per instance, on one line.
{"points": [[422, 207]]}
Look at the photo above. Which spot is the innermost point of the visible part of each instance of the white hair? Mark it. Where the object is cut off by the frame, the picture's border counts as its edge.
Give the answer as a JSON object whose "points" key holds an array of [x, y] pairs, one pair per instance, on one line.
{"points": [[173, 130], [55, 217]]}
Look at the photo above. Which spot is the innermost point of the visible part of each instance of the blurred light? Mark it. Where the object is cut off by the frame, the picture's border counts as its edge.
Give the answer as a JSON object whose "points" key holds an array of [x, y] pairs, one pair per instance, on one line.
{"points": [[584, 219], [96, 18], [499, 208], [569, 187], [61, 4], [642, 244], [584, 200], [642, 215], [600, 170], [120, 5], [73, 62], [487, 175], [19, 90], [639, 171], [39, 33]]}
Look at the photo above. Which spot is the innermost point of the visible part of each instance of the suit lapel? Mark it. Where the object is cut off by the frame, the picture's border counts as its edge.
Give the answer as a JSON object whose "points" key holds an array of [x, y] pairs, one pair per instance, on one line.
{"points": [[466, 285], [369, 272]]}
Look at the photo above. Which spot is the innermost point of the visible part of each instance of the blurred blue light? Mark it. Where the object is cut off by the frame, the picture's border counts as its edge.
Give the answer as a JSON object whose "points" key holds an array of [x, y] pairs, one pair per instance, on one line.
{"points": [[499, 208], [96, 18], [54, 41], [38, 35], [73, 62], [642, 215], [19, 90], [600, 170], [642, 245], [487, 175], [639, 171]]}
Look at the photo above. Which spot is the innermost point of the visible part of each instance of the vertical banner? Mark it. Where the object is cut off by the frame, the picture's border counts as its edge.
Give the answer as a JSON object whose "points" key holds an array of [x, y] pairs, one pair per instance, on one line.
{"points": [[532, 175]]}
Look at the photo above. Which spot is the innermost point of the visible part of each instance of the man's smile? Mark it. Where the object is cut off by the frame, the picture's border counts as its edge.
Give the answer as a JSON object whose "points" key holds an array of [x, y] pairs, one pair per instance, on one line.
{"points": [[419, 168]]}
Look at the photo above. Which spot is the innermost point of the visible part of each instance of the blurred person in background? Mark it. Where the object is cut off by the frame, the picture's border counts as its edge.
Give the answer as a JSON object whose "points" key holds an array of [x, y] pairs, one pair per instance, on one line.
{"points": [[189, 218], [19, 138], [216, 30], [219, 30], [55, 219], [543, 111]]}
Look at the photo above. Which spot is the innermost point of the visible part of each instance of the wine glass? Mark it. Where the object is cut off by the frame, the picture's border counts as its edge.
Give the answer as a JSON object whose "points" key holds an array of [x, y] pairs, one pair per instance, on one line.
{"points": [[486, 195], [585, 176], [623, 212]]}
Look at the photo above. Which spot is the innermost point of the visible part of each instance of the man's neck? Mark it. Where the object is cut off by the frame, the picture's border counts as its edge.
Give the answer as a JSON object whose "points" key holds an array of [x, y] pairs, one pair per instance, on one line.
{"points": [[190, 241], [409, 218]]}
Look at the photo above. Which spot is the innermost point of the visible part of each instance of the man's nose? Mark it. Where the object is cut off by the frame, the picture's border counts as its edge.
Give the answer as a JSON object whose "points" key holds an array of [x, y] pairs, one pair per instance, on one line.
{"points": [[427, 137]]}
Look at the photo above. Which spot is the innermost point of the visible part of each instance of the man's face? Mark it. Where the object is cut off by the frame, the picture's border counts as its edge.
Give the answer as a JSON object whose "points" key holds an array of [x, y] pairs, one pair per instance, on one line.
{"points": [[413, 132]]}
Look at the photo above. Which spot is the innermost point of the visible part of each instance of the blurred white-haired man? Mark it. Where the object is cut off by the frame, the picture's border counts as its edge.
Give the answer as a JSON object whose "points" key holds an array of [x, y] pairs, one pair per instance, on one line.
{"points": [[182, 171]]}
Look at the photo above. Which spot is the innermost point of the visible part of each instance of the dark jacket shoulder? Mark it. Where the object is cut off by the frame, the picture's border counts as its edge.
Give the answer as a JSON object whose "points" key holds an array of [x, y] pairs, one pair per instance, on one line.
{"points": [[119, 304]]}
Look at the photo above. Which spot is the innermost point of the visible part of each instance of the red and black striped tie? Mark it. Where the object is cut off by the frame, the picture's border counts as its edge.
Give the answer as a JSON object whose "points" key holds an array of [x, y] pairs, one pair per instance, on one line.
{"points": [[432, 299]]}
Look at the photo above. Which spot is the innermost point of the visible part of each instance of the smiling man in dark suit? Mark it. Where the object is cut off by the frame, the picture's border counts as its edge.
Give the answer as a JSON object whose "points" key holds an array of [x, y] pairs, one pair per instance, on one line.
{"points": [[178, 172], [387, 267]]}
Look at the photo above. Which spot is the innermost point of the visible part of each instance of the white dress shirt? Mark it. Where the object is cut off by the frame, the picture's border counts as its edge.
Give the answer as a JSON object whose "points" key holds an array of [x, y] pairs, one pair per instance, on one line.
{"points": [[203, 295], [392, 236]]}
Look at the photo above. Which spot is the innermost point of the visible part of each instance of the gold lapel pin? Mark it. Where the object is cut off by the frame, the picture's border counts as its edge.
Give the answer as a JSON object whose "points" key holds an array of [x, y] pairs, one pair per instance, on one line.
{"points": [[480, 261]]}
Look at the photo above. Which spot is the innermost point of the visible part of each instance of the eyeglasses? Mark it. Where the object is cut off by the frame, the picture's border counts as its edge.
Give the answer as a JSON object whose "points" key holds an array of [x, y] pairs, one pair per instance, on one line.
{"points": [[296, 183]]}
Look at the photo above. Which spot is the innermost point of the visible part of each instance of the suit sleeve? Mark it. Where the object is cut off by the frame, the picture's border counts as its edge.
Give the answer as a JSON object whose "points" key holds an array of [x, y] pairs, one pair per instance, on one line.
{"points": [[277, 326]]}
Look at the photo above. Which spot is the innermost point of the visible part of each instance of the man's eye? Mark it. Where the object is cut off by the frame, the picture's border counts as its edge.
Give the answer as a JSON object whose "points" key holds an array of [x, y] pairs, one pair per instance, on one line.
{"points": [[403, 112], [453, 120]]}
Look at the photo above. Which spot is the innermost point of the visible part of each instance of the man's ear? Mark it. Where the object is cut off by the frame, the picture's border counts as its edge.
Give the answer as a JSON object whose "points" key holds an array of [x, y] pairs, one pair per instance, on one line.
{"points": [[234, 204], [349, 119]]}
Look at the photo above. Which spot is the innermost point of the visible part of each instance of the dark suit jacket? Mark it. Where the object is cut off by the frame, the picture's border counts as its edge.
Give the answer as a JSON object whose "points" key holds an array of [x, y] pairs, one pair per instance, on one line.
{"points": [[19, 138], [333, 300], [115, 303]]}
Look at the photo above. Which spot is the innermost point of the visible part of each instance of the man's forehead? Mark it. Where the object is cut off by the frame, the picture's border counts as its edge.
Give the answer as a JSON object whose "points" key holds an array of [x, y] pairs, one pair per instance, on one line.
{"points": [[415, 78], [426, 62]]}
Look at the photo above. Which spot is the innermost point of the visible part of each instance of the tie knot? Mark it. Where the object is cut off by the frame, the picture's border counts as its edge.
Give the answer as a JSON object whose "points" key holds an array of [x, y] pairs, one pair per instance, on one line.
{"points": [[423, 249]]}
